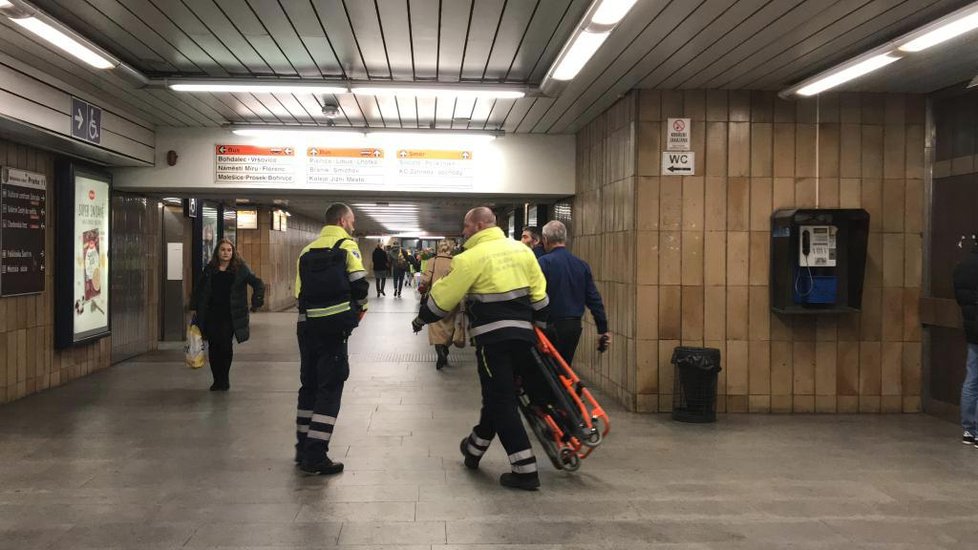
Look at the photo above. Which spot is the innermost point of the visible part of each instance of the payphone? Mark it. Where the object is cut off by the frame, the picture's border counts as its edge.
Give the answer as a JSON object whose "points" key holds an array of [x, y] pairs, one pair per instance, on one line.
{"points": [[818, 259]]}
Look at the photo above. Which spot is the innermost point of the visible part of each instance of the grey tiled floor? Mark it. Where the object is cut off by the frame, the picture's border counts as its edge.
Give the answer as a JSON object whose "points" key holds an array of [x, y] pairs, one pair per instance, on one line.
{"points": [[143, 456]]}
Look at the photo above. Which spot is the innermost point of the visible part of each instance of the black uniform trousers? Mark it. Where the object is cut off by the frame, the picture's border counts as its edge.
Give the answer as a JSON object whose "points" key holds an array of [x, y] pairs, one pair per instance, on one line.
{"points": [[567, 334], [499, 364], [398, 281], [324, 367], [220, 351], [380, 280]]}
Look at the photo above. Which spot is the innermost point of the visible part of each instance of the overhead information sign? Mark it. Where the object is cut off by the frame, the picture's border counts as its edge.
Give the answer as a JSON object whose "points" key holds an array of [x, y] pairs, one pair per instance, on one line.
{"points": [[253, 164], [360, 166], [679, 137], [86, 121], [435, 168], [23, 221], [679, 164]]}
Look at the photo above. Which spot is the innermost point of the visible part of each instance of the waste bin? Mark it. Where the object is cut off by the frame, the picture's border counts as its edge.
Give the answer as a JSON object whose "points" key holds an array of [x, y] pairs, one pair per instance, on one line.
{"points": [[694, 394]]}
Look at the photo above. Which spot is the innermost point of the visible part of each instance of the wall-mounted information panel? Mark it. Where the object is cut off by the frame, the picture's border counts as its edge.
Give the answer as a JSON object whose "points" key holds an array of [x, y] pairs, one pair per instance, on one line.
{"points": [[23, 226]]}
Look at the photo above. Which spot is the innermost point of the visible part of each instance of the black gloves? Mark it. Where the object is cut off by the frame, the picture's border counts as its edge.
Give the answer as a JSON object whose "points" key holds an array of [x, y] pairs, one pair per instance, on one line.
{"points": [[417, 324]]}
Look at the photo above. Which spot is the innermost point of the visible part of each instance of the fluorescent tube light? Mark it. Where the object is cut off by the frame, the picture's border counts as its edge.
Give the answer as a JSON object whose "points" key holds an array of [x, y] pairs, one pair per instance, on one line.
{"points": [[258, 87], [408, 137], [847, 74], [610, 12], [64, 42], [580, 52], [445, 92], [943, 33], [284, 132], [5, 4]]}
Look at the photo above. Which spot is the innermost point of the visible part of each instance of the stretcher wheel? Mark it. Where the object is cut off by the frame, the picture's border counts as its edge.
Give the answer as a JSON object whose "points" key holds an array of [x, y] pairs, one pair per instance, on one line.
{"points": [[571, 462], [594, 438], [542, 432]]}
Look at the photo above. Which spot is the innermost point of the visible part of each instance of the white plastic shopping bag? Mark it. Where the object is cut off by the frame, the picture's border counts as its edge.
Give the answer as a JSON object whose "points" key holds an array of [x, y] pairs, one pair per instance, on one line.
{"points": [[195, 350]]}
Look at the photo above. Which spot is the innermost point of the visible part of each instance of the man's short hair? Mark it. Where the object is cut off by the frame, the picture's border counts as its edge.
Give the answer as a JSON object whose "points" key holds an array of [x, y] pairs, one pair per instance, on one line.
{"points": [[534, 232], [336, 212], [555, 232]]}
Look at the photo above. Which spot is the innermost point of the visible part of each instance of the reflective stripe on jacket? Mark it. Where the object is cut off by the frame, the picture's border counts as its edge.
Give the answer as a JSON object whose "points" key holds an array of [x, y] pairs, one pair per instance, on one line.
{"points": [[359, 286], [502, 284]]}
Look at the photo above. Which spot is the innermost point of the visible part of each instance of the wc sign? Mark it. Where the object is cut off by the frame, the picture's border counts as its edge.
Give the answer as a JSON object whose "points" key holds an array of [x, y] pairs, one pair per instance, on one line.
{"points": [[678, 163]]}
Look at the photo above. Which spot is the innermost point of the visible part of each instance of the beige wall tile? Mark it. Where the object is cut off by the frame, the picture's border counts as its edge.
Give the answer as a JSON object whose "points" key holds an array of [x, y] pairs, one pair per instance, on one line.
{"points": [[716, 149], [803, 368], [828, 192], [805, 192], [891, 368], [915, 152], [760, 404], [647, 150], [874, 260], [737, 404], [647, 313], [803, 404], [781, 367], [784, 110], [738, 258], [803, 329], [715, 210], [647, 203], [692, 260], [913, 259], [894, 201], [761, 150], [715, 258], [871, 326], [894, 150], [759, 355], [760, 204], [672, 104], [670, 204], [828, 150], [913, 218], [850, 193], [870, 357], [738, 204], [738, 156], [784, 151], [805, 150], [781, 327], [714, 313], [738, 299], [692, 313], [762, 106], [848, 404], [893, 259], [694, 104], [911, 379], [825, 404], [872, 152], [911, 315], [693, 203], [670, 312], [848, 368], [850, 151], [647, 357], [648, 105], [869, 404], [783, 194], [666, 368], [737, 367], [716, 105], [739, 104], [760, 257], [826, 369], [760, 313], [647, 257], [670, 257]]}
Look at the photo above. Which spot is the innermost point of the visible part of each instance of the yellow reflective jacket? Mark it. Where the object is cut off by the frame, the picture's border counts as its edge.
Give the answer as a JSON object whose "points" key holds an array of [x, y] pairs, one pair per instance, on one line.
{"points": [[359, 286], [503, 287]]}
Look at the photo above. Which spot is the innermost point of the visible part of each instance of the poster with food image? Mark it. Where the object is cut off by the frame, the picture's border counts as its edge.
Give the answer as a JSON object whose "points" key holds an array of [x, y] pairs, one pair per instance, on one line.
{"points": [[91, 289]]}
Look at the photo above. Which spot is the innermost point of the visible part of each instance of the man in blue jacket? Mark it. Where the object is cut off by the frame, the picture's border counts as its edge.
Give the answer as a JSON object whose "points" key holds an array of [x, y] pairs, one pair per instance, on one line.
{"points": [[570, 287]]}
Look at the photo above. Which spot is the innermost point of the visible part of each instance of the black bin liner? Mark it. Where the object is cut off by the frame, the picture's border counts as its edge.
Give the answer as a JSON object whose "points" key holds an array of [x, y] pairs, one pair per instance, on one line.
{"points": [[695, 389]]}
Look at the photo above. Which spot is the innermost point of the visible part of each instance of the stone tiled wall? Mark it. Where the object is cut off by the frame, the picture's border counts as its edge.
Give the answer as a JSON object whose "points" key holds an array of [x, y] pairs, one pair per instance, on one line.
{"points": [[272, 255], [701, 245], [604, 236], [28, 360]]}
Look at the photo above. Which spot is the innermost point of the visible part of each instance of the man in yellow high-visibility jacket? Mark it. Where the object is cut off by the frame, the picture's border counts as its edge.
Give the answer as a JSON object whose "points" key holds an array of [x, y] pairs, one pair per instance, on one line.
{"points": [[505, 293], [331, 288]]}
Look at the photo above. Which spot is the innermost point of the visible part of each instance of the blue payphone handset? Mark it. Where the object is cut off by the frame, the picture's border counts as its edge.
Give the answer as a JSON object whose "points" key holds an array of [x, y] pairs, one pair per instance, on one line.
{"points": [[816, 280]]}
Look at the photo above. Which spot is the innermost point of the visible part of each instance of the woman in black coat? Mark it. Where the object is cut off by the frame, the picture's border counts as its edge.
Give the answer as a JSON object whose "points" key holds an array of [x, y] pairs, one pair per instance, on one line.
{"points": [[221, 303]]}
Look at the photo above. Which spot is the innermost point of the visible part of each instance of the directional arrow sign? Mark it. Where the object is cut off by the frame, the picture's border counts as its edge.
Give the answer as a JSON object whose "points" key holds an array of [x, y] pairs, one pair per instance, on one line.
{"points": [[79, 119], [678, 163]]}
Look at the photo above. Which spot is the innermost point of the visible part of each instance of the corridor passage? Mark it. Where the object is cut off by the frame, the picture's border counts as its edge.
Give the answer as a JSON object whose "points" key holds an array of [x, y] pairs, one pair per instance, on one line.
{"points": [[143, 456]]}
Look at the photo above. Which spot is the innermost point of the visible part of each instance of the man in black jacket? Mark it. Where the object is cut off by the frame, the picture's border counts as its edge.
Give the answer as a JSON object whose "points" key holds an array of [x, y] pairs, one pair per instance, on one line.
{"points": [[381, 268], [966, 293]]}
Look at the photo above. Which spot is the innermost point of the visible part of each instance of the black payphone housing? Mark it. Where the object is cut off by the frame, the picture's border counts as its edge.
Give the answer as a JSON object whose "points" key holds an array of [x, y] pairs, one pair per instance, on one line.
{"points": [[818, 260]]}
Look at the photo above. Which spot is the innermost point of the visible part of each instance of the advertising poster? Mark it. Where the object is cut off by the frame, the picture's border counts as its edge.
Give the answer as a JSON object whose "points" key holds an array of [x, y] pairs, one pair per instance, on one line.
{"points": [[91, 258], [23, 222], [209, 232]]}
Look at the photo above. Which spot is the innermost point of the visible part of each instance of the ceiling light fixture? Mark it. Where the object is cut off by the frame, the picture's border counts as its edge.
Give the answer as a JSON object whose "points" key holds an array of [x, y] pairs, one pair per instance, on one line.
{"points": [[594, 28], [439, 92], [5, 4], [281, 131], [610, 12], [256, 86], [840, 76], [405, 135], [942, 30], [64, 41]]}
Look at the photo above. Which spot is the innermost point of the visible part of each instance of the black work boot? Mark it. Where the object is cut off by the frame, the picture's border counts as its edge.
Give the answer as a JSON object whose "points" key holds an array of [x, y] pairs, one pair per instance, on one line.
{"points": [[442, 352], [527, 482], [298, 454], [471, 461], [326, 467]]}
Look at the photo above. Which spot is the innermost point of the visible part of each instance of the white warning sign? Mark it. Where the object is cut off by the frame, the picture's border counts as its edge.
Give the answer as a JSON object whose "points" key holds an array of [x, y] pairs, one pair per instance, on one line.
{"points": [[678, 134], [680, 163]]}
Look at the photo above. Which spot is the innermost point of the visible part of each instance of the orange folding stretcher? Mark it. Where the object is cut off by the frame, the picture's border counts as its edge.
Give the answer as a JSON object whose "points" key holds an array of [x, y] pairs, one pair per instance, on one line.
{"points": [[563, 414]]}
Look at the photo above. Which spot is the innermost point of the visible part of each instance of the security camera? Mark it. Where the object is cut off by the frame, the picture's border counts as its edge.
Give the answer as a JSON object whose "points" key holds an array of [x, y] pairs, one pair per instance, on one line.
{"points": [[330, 110]]}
